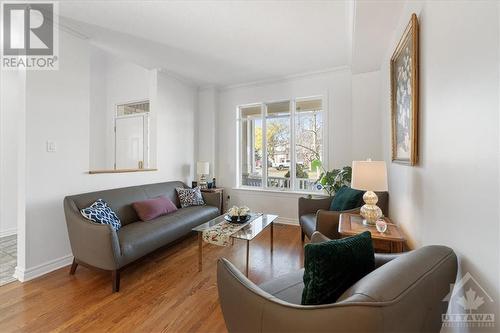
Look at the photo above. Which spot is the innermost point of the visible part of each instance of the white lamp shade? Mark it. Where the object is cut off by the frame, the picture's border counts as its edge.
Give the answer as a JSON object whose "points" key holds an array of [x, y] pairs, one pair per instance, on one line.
{"points": [[203, 168], [369, 175]]}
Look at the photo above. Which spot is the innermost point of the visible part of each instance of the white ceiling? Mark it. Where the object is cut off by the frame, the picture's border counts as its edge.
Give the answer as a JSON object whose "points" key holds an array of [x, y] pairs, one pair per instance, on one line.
{"points": [[223, 42]]}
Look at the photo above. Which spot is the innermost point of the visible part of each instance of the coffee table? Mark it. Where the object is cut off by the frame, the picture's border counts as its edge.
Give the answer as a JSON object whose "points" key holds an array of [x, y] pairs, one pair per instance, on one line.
{"points": [[247, 233]]}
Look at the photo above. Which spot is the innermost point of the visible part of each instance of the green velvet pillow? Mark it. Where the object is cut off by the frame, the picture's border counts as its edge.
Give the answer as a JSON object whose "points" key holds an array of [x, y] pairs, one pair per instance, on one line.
{"points": [[346, 198], [332, 267]]}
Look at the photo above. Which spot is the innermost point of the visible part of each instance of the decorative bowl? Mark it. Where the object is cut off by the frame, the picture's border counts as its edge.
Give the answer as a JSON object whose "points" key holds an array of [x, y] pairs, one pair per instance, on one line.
{"points": [[237, 219]]}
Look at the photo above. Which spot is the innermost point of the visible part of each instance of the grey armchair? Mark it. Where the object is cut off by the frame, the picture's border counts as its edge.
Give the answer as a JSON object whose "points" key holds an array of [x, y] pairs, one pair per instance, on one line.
{"points": [[314, 215], [404, 294]]}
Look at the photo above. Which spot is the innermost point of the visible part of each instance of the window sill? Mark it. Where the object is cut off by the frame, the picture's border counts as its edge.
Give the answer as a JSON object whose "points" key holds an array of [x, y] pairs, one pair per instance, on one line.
{"points": [[294, 193]]}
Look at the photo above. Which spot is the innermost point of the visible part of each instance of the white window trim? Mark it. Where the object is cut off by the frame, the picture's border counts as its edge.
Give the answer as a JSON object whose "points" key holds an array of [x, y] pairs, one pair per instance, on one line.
{"points": [[263, 106]]}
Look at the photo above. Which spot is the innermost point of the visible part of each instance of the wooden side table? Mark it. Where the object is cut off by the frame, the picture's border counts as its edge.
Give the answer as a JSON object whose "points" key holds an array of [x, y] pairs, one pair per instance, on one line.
{"points": [[391, 241], [216, 190]]}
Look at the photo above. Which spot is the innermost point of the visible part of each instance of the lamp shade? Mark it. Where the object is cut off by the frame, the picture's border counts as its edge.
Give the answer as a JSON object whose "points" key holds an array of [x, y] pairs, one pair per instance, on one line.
{"points": [[203, 168], [369, 175]]}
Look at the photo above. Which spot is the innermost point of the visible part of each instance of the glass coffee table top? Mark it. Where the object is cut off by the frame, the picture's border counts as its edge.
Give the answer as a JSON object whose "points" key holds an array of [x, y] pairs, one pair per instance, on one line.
{"points": [[257, 224]]}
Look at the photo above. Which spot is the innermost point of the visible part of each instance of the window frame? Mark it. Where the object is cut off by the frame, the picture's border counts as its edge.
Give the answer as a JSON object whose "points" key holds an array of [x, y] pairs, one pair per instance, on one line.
{"points": [[293, 149]]}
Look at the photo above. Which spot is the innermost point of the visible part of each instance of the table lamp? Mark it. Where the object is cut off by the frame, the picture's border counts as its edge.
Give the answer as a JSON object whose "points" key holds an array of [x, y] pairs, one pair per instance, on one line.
{"points": [[369, 176], [203, 169]]}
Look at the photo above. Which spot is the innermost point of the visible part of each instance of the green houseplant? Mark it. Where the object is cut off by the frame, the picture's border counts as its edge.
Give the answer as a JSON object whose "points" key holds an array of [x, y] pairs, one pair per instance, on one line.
{"points": [[331, 181]]}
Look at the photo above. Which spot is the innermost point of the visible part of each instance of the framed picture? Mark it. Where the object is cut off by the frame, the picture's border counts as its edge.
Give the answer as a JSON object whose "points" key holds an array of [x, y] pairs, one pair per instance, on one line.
{"points": [[404, 96]]}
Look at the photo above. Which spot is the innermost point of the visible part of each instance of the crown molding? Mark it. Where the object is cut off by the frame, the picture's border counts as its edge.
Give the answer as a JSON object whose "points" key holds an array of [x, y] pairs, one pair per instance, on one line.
{"points": [[285, 78]]}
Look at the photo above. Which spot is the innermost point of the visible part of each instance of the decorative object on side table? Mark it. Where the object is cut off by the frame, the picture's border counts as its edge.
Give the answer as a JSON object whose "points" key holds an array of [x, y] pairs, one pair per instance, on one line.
{"points": [[390, 241], [381, 226], [203, 169], [404, 96], [369, 176]]}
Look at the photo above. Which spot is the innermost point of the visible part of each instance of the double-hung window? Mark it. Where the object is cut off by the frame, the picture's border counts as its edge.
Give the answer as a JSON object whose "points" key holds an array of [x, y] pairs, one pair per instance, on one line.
{"points": [[281, 144]]}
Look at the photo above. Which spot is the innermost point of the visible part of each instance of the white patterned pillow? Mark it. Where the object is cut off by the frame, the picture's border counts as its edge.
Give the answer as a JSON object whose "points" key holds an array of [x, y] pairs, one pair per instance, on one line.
{"points": [[100, 212], [190, 197]]}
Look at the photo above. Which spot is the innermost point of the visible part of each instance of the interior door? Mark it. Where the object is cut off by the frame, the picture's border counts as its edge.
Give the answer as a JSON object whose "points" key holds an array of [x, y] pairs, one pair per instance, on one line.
{"points": [[129, 140]]}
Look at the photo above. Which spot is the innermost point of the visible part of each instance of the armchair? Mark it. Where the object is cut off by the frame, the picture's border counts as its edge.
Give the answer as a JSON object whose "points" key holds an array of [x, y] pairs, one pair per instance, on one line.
{"points": [[314, 215], [389, 299]]}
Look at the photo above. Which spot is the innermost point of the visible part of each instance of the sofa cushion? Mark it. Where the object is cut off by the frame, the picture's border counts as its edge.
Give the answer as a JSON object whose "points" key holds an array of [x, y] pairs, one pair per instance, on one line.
{"points": [[152, 208], [346, 198], [333, 266], [138, 239], [287, 287], [100, 212], [190, 197], [308, 224]]}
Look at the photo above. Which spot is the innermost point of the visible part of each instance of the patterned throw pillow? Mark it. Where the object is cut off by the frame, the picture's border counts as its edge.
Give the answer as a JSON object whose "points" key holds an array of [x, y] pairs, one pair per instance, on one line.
{"points": [[190, 197], [100, 212]]}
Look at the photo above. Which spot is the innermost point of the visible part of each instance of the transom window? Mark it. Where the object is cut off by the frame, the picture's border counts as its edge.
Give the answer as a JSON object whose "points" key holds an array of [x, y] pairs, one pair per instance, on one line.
{"points": [[281, 144]]}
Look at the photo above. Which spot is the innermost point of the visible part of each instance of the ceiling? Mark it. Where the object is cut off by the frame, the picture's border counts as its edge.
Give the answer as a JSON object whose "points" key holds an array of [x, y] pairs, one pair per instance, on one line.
{"points": [[227, 42]]}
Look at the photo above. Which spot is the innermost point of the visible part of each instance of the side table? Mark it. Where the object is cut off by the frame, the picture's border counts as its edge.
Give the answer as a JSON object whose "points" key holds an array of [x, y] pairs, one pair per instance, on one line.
{"points": [[391, 241]]}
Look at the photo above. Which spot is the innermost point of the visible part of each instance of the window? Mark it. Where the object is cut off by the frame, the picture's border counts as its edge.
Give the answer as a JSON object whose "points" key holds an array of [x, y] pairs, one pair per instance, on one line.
{"points": [[281, 144]]}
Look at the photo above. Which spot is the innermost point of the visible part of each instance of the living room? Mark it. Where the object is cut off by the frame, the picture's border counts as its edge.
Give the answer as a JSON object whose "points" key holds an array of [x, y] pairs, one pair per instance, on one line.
{"points": [[257, 102]]}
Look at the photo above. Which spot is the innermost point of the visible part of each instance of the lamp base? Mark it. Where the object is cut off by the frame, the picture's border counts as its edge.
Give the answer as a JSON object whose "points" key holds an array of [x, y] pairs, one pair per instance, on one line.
{"points": [[203, 182], [370, 211]]}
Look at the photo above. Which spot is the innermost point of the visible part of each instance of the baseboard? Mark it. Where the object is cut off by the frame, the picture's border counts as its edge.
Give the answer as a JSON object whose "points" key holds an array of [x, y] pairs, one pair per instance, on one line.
{"points": [[287, 220], [24, 275], [8, 232]]}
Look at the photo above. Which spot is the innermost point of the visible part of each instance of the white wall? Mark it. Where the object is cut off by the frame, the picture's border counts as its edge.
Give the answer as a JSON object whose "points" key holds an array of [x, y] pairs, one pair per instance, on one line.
{"points": [[366, 116], [57, 108], [207, 127], [112, 81], [452, 196], [12, 88], [335, 86]]}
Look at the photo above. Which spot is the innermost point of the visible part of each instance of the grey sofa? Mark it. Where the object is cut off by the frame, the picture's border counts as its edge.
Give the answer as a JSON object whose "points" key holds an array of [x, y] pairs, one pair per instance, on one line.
{"points": [[100, 246], [403, 294], [314, 215]]}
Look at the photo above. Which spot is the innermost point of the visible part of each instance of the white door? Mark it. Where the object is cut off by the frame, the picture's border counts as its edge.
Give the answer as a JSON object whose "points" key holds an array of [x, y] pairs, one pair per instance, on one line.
{"points": [[129, 153]]}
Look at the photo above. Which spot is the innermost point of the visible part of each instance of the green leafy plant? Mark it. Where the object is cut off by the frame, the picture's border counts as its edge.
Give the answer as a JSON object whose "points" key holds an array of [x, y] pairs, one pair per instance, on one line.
{"points": [[331, 181]]}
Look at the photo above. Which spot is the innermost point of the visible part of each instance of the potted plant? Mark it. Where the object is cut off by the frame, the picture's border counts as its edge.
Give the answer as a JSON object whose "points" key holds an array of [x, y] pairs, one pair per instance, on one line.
{"points": [[331, 181]]}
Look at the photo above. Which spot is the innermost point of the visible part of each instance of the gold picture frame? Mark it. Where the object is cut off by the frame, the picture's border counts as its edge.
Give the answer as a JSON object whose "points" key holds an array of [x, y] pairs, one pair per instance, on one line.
{"points": [[404, 96]]}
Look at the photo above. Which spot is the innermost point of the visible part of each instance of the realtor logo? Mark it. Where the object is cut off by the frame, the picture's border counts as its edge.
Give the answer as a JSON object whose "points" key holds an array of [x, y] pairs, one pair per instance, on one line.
{"points": [[29, 35], [466, 298]]}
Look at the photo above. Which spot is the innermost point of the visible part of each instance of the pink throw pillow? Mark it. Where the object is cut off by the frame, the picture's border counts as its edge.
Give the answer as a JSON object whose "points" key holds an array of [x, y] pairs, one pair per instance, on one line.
{"points": [[152, 208]]}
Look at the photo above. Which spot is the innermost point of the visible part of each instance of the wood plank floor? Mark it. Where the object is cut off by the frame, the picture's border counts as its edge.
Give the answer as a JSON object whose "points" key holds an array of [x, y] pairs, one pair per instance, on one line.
{"points": [[163, 292]]}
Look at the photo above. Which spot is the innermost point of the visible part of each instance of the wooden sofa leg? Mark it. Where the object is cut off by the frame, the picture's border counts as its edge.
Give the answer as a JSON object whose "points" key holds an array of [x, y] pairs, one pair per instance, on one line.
{"points": [[74, 265], [302, 235], [115, 276]]}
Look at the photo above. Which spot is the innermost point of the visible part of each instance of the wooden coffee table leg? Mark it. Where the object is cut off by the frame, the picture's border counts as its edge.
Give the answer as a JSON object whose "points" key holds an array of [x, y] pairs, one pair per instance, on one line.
{"points": [[248, 257], [200, 251]]}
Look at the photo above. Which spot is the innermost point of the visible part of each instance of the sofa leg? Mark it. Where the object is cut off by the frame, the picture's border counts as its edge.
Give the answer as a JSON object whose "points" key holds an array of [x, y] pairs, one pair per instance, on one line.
{"points": [[302, 235], [74, 265], [115, 276]]}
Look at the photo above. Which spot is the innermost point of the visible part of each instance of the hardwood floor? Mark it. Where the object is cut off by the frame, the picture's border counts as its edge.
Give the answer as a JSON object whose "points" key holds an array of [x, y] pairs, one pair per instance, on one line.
{"points": [[163, 292]]}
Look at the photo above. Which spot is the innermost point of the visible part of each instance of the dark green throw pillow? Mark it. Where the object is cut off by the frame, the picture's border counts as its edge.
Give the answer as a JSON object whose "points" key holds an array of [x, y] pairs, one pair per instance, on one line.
{"points": [[332, 267], [346, 198]]}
